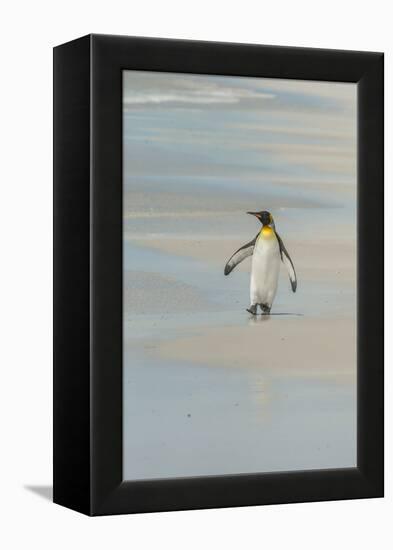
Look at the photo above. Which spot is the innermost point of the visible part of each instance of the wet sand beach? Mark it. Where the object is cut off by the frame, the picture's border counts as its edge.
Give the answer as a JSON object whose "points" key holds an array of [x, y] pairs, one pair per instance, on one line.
{"points": [[214, 390]]}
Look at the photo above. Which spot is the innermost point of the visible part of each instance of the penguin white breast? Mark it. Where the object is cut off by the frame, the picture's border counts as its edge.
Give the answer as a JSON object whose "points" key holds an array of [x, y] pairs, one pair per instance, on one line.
{"points": [[265, 267]]}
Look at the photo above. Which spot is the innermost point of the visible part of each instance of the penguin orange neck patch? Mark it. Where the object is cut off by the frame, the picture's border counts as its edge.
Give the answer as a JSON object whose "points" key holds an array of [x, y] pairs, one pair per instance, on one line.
{"points": [[267, 231]]}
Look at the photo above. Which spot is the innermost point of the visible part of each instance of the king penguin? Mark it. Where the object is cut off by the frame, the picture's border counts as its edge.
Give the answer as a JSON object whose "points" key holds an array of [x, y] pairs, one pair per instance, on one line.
{"points": [[267, 249]]}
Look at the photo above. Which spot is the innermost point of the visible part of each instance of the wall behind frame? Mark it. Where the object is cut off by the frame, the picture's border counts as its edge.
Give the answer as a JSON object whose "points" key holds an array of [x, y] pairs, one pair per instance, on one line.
{"points": [[30, 30]]}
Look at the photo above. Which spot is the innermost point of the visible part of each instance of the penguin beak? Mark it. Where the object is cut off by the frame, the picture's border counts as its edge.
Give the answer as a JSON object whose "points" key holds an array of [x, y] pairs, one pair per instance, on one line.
{"points": [[256, 214]]}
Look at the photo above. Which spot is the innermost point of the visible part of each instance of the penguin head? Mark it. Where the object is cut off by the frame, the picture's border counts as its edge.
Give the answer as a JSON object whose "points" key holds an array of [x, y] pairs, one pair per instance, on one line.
{"points": [[264, 217]]}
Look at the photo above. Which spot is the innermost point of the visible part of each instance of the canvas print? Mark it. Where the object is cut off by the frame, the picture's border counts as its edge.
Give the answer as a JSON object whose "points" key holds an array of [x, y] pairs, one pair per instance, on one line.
{"points": [[239, 275]]}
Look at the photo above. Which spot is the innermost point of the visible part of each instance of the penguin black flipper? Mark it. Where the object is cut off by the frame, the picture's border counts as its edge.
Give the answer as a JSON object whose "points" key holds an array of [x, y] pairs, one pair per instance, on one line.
{"points": [[286, 259], [238, 256]]}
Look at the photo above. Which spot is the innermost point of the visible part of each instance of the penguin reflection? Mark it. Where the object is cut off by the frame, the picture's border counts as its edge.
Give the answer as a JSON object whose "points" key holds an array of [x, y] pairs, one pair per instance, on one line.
{"points": [[267, 249]]}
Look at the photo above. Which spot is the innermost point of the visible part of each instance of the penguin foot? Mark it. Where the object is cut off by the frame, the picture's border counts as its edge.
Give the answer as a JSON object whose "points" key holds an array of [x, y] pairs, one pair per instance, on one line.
{"points": [[252, 309], [265, 308]]}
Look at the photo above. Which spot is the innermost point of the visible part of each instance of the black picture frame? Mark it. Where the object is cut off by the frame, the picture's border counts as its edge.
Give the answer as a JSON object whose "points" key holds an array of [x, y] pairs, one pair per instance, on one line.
{"points": [[88, 274]]}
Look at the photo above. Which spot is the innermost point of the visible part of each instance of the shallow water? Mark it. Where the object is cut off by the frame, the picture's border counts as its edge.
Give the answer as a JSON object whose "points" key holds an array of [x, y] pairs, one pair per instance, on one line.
{"points": [[187, 420]]}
